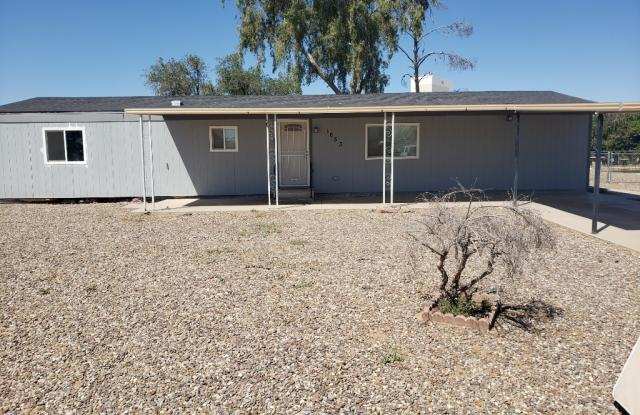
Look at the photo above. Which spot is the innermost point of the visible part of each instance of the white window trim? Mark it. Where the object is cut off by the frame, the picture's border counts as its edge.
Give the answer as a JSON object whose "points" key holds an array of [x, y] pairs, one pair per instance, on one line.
{"points": [[366, 140], [64, 135], [222, 127]]}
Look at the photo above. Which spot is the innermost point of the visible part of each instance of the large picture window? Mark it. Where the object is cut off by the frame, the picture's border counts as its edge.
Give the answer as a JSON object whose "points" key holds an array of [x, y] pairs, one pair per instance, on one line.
{"points": [[64, 145], [407, 141], [223, 138]]}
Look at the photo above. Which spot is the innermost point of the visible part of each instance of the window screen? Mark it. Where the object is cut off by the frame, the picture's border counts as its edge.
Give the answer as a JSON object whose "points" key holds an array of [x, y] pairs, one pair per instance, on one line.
{"points": [[230, 138], [223, 138], [55, 145], [406, 141], [374, 141], [75, 148], [218, 138]]}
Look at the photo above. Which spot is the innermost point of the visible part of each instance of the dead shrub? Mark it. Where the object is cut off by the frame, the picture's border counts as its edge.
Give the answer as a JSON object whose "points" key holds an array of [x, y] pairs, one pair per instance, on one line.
{"points": [[498, 240]]}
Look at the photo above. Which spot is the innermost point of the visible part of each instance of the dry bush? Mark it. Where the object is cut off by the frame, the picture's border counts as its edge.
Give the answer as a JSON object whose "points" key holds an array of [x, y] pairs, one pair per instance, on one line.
{"points": [[497, 240]]}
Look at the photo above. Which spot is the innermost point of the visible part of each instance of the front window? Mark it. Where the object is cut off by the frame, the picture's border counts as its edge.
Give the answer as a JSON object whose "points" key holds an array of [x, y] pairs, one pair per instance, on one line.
{"points": [[64, 145], [223, 138], [407, 139]]}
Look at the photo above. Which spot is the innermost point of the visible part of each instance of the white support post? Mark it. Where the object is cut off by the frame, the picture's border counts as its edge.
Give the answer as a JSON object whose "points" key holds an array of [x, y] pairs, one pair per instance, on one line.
{"points": [[153, 190], [268, 162], [144, 180], [384, 159], [275, 136], [393, 150], [596, 178], [516, 160]]}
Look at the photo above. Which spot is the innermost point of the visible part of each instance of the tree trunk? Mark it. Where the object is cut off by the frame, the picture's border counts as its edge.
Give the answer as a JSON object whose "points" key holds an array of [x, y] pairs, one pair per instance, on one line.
{"points": [[416, 64], [321, 73]]}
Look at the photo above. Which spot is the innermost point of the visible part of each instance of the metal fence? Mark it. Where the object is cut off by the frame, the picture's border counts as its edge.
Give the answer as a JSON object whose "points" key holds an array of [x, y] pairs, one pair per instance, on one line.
{"points": [[620, 166]]}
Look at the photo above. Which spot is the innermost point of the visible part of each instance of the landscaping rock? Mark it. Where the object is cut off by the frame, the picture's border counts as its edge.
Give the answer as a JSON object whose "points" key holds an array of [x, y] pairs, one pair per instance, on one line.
{"points": [[103, 310]]}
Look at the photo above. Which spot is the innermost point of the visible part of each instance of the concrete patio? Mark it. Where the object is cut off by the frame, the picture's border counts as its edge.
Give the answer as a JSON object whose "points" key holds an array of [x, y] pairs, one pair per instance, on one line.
{"points": [[619, 212]]}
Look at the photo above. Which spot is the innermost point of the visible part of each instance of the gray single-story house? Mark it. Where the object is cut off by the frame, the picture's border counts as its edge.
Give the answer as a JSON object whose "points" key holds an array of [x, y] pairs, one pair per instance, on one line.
{"points": [[114, 147]]}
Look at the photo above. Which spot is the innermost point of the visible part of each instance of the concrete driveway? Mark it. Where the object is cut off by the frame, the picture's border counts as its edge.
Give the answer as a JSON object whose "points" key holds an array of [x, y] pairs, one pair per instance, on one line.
{"points": [[619, 217]]}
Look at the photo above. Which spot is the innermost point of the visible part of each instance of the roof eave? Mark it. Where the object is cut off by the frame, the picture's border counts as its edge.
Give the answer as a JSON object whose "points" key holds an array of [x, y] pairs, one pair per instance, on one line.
{"points": [[574, 107]]}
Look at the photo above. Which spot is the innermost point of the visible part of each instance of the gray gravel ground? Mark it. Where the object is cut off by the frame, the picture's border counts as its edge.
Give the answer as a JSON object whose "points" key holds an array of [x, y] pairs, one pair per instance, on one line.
{"points": [[106, 310]]}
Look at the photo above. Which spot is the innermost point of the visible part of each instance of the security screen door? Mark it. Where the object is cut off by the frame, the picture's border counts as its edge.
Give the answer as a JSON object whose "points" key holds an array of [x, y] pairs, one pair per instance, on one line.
{"points": [[293, 153]]}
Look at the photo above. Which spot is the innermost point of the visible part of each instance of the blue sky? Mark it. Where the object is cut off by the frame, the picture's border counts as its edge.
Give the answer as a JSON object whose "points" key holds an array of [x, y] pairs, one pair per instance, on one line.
{"points": [[586, 48]]}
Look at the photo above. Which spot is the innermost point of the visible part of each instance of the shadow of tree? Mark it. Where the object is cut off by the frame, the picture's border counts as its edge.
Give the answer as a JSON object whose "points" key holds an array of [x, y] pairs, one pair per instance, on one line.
{"points": [[526, 316]]}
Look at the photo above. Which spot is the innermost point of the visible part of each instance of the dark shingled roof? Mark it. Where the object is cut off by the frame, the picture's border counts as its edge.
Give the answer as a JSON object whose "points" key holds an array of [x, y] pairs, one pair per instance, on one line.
{"points": [[118, 104]]}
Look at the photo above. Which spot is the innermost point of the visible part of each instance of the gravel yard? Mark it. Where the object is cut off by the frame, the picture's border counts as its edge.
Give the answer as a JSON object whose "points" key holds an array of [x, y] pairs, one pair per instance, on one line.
{"points": [[106, 310]]}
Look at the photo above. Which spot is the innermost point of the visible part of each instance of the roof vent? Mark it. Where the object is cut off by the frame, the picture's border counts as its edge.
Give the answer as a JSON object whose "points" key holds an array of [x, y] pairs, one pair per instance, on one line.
{"points": [[176, 103]]}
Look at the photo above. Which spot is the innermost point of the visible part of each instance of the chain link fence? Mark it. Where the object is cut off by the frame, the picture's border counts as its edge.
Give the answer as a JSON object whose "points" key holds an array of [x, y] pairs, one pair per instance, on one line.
{"points": [[620, 169]]}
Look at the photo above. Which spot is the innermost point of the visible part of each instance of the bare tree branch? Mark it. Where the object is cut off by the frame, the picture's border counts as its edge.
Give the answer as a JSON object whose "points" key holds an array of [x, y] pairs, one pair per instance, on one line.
{"points": [[454, 61], [405, 53], [459, 28]]}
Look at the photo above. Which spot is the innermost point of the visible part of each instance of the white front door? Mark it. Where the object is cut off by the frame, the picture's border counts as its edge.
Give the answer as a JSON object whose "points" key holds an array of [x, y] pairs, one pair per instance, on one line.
{"points": [[293, 153]]}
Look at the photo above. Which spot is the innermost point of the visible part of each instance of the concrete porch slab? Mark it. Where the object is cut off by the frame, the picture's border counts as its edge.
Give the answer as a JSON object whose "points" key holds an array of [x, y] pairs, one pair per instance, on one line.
{"points": [[619, 212]]}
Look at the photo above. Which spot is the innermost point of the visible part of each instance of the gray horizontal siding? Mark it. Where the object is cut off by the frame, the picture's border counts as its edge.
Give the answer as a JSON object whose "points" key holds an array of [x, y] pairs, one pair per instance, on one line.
{"points": [[472, 149], [475, 150], [112, 166], [183, 164]]}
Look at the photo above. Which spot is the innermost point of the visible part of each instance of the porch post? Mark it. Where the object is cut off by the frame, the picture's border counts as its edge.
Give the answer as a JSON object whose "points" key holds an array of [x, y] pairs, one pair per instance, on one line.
{"points": [[393, 150], [144, 180], [596, 179], [516, 160], [384, 159], [153, 190], [275, 136], [268, 162]]}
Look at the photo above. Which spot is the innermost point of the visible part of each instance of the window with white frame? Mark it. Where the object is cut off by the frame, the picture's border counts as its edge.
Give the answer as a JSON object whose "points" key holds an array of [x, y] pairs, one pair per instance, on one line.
{"points": [[64, 145], [407, 141], [223, 138]]}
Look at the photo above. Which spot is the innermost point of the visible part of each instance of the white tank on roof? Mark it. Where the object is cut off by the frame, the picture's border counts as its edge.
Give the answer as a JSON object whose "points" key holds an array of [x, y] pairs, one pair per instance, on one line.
{"points": [[432, 83]]}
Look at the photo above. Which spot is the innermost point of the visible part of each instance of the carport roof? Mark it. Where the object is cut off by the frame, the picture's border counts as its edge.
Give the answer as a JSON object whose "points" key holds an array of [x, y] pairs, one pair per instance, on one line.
{"points": [[316, 104]]}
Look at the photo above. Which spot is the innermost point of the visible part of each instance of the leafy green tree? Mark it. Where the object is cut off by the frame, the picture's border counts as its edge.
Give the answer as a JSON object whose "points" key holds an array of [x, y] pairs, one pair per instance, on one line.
{"points": [[412, 19], [186, 76], [189, 76], [621, 132], [233, 79], [346, 44]]}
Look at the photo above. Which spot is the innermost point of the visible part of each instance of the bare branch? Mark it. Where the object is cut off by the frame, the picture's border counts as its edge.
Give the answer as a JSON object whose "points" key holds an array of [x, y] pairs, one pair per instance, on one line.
{"points": [[453, 60], [458, 28], [405, 53]]}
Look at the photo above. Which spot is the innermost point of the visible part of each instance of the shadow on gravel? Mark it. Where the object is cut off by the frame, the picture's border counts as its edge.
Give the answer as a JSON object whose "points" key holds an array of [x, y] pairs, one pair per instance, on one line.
{"points": [[526, 316]]}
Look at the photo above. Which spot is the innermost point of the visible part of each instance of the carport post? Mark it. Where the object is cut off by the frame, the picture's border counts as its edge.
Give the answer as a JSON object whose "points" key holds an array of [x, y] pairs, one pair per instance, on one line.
{"points": [[596, 179], [393, 151], [516, 160], [153, 190], [384, 159], [275, 136], [144, 180], [268, 162]]}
